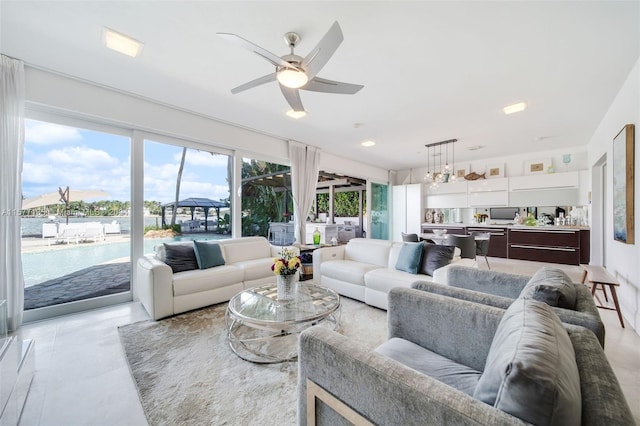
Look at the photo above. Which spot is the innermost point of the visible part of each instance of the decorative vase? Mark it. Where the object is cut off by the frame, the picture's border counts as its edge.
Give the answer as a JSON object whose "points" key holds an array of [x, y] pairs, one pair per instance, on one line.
{"points": [[316, 237], [287, 286]]}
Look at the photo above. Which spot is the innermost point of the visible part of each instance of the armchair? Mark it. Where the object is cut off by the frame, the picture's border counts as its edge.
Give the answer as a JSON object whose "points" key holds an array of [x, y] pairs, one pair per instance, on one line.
{"points": [[500, 289], [396, 382]]}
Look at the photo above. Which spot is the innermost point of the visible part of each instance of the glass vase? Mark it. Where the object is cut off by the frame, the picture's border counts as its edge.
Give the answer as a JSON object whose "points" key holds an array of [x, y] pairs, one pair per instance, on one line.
{"points": [[287, 286]]}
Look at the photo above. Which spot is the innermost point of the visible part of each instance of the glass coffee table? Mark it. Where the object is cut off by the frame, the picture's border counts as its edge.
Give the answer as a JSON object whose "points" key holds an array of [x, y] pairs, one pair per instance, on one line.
{"points": [[263, 329]]}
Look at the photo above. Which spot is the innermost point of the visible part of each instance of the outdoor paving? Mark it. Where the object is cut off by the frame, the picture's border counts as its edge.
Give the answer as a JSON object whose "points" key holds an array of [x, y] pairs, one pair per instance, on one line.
{"points": [[98, 280]]}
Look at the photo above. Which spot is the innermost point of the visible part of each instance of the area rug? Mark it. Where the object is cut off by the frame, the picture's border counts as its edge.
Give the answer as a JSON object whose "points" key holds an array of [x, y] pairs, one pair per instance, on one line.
{"points": [[186, 373]]}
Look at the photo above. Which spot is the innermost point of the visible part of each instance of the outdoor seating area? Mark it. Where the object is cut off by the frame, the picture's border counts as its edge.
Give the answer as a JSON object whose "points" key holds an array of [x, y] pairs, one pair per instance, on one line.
{"points": [[67, 233]]}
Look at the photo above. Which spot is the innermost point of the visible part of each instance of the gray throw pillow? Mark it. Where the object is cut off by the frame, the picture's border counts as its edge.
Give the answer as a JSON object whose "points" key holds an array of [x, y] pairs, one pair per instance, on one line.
{"points": [[531, 371], [208, 255], [435, 256], [553, 287], [180, 257], [409, 258]]}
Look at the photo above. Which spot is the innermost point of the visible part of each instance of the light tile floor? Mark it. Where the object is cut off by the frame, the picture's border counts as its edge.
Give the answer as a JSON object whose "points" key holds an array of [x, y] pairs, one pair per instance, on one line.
{"points": [[82, 377]]}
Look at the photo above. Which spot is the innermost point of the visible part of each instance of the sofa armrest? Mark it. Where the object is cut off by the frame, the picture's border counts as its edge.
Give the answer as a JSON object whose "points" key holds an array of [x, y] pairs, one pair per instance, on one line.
{"points": [[326, 253], [464, 294], [456, 329], [388, 391], [441, 275], [498, 283], [603, 402], [155, 286]]}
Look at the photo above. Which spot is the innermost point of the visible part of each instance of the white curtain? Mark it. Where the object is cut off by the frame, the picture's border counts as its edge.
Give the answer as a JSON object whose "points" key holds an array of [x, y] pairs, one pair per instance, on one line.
{"points": [[305, 161], [12, 94]]}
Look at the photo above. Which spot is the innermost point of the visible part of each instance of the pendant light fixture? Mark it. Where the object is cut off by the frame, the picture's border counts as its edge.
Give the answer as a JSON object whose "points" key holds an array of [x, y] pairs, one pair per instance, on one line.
{"points": [[444, 174]]}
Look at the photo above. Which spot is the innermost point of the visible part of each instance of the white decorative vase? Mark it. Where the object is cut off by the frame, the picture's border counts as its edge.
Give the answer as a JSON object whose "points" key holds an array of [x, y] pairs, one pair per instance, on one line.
{"points": [[287, 286]]}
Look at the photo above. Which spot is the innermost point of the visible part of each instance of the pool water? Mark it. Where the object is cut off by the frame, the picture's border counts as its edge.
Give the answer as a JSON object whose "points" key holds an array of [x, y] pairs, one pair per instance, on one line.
{"points": [[43, 266]]}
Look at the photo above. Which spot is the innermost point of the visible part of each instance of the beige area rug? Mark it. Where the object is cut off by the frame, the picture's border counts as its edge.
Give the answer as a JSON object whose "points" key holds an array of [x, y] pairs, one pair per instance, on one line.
{"points": [[186, 373]]}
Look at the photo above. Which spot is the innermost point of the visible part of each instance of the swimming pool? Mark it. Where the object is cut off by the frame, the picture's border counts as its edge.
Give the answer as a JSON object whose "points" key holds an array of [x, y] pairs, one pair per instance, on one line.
{"points": [[43, 266]]}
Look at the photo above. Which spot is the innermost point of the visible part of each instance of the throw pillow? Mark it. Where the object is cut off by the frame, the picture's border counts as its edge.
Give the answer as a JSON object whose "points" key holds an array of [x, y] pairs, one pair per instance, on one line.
{"points": [[180, 257], [409, 258], [531, 370], [552, 286], [208, 254], [435, 256]]}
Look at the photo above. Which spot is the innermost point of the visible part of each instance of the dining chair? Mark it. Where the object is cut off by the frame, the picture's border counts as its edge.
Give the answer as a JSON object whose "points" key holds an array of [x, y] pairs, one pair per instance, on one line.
{"points": [[410, 238], [466, 244]]}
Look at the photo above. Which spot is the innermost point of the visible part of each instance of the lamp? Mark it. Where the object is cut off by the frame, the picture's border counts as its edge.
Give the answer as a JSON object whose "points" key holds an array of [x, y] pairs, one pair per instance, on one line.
{"points": [[292, 78], [448, 170]]}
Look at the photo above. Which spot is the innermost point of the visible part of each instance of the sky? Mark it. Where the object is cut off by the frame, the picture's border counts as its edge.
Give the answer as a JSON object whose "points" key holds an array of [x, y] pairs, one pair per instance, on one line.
{"points": [[59, 156]]}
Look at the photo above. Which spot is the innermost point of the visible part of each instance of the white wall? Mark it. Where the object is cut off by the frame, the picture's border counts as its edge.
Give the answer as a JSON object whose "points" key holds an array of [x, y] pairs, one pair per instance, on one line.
{"points": [[622, 259], [81, 99]]}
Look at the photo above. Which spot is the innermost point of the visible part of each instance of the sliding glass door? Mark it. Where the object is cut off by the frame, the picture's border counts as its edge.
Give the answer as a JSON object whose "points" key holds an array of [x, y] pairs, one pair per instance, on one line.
{"points": [[75, 217]]}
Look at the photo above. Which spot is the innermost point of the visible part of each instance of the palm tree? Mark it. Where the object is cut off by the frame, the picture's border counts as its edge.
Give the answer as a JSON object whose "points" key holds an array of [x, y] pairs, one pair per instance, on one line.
{"points": [[175, 206]]}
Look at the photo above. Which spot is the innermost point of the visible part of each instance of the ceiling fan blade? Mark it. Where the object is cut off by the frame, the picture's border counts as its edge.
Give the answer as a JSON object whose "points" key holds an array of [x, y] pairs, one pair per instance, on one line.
{"points": [[253, 83], [293, 97], [329, 86], [263, 53], [320, 55]]}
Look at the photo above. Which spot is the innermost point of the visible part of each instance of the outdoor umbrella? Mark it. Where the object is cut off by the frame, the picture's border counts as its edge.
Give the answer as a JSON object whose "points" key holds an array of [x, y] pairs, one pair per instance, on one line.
{"points": [[62, 196]]}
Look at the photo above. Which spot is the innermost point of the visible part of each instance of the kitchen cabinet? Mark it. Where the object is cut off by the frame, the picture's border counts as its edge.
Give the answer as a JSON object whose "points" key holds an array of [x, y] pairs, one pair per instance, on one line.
{"points": [[585, 246], [451, 229], [545, 245], [498, 242], [544, 182], [408, 210], [447, 195], [488, 192]]}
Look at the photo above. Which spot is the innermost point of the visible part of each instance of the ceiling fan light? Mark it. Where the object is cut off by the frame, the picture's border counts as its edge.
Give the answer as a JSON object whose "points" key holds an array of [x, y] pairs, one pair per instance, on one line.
{"points": [[292, 78], [296, 114]]}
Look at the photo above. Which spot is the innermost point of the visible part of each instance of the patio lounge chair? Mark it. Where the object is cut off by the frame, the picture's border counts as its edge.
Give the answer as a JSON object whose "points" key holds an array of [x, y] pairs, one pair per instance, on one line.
{"points": [[93, 231], [68, 234]]}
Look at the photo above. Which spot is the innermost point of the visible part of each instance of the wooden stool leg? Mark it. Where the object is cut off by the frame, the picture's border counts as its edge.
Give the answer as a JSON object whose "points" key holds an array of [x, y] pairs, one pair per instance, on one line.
{"points": [[614, 296], [605, 293], [594, 287]]}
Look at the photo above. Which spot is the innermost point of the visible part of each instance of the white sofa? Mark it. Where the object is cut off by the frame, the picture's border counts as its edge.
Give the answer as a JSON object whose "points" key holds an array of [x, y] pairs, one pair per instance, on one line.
{"points": [[365, 269], [164, 293]]}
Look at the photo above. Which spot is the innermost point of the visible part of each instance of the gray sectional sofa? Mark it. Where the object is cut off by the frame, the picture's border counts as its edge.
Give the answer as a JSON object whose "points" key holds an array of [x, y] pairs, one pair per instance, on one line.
{"points": [[455, 362], [572, 302]]}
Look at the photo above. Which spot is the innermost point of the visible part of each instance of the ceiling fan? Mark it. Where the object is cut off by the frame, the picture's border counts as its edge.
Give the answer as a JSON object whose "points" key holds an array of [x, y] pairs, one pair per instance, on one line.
{"points": [[294, 72]]}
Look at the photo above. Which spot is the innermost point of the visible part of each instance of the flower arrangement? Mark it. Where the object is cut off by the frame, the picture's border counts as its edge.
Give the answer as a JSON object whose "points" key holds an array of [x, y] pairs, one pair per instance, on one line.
{"points": [[288, 264]]}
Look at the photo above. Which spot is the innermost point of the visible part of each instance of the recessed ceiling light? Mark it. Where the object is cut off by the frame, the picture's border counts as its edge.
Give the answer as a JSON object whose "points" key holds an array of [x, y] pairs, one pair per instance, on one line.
{"points": [[121, 43], [521, 106], [368, 144], [296, 114]]}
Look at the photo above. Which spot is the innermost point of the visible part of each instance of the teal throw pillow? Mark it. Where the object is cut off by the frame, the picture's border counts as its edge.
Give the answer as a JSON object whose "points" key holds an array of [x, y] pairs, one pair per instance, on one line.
{"points": [[208, 254], [410, 258]]}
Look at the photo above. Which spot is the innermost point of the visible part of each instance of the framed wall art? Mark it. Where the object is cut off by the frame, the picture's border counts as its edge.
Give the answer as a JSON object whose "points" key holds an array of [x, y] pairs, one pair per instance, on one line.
{"points": [[460, 170], [495, 171], [623, 187], [532, 167]]}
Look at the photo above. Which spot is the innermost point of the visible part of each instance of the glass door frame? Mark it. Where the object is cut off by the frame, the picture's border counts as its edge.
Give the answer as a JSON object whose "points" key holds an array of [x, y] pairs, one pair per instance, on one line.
{"points": [[35, 113]]}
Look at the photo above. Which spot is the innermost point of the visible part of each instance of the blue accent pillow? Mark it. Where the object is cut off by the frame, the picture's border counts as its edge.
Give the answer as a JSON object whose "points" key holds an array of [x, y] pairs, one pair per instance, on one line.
{"points": [[180, 257], [410, 258], [208, 254]]}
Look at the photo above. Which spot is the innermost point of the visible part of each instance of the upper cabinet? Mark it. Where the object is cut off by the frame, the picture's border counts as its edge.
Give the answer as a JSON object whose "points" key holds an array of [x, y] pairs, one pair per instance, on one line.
{"points": [[447, 195], [488, 192], [543, 182]]}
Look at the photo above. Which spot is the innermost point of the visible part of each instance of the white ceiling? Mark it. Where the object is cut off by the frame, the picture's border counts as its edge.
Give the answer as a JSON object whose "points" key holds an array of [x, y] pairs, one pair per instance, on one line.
{"points": [[431, 70]]}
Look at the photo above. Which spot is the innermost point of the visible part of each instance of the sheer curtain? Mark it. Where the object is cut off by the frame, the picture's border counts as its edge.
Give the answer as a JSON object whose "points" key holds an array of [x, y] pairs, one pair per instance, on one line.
{"points": [[12, 94], [305, 162]]}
